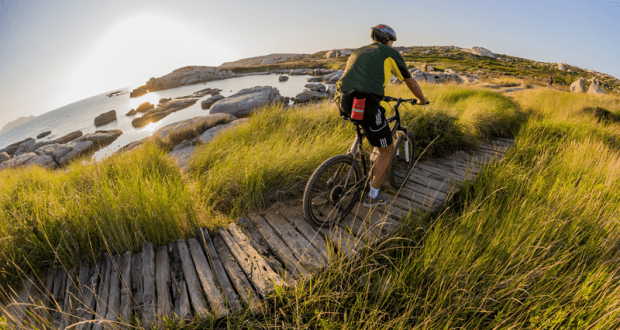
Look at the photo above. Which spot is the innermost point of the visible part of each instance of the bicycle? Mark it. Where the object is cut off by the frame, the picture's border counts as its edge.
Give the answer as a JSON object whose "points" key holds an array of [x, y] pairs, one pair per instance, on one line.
{"points": [[335, 186]]}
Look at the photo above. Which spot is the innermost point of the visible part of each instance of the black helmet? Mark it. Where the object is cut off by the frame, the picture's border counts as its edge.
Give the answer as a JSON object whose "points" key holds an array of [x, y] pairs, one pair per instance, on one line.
{"points": [[382, 33]]}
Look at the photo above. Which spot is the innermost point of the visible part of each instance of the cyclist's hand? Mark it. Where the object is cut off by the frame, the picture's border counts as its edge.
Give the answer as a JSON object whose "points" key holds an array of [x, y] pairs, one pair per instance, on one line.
{"points": [[423, 101]]}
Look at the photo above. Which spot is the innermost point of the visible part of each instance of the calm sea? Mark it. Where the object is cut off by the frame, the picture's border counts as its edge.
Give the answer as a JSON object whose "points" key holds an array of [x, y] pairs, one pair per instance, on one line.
{"points": [[80, 116]]}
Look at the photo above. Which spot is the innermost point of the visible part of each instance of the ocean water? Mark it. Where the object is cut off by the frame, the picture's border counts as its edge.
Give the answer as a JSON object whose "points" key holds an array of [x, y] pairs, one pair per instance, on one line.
{"points": [[80, 116]]}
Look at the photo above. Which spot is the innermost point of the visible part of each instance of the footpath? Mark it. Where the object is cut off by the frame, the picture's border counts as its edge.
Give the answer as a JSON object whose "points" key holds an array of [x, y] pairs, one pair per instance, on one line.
{"points": [[236, 267]]}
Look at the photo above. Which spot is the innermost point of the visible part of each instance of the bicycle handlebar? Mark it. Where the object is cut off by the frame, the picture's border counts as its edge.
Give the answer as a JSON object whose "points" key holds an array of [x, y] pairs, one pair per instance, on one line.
{"points": [[400, 100]]}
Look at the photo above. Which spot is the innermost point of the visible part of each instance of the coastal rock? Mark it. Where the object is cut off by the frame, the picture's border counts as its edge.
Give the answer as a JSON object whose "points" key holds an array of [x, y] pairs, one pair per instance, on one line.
{"points": [[69, 137], [333, 78], [44, 161], [316, 87], [207, 91], [18, 143], [105, 118], [188, 76], [77, 149], [283, 78], [182, 156], [17, 161], [144, 107], [595, 89], [247, 101], [480, 51], [164, 100], [332, 54], [131, 112], [139, 91], [309, 96], [101, 139], [132, 145], [38, 145], [561, 67], [578, 86], [206, 104], [331, 90], [44, 134], [314, 79], [194, 126], [4, 157], [162, 111], [117, 93], [210, 134], [24, 147]]}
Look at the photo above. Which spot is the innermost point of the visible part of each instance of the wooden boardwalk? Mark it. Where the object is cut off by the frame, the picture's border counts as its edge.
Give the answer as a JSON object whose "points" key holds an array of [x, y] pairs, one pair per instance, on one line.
{"points": [[216, 274]]}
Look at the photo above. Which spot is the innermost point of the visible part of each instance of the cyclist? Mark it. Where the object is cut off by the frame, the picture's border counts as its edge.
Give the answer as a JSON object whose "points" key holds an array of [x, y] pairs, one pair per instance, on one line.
{"points": [[368, 71]]}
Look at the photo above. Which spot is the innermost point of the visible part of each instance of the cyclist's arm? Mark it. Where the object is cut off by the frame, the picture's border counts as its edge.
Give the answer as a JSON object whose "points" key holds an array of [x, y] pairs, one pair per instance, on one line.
{"points": [[416, 90]]}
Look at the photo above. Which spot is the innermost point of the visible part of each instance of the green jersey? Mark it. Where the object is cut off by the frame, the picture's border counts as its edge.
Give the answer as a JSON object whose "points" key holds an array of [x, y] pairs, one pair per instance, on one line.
{"points": [[370, 68]]}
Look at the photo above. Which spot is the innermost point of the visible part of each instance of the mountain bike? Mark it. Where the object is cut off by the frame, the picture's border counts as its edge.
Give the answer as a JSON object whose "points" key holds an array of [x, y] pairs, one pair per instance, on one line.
{"points": [[336, 185]]}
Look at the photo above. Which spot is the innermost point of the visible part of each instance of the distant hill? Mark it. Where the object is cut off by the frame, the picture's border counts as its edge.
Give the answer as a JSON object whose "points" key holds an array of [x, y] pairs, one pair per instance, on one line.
{"points": [[260, 60], [16, 122]]}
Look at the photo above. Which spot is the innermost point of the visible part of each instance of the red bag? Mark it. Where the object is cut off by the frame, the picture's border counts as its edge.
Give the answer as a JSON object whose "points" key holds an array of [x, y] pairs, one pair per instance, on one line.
{"points": [[357, 112]]}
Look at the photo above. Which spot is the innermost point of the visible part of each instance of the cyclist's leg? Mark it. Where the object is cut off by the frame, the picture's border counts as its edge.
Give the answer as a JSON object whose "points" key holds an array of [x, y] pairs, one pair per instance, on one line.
{"points": [[378, 133]]}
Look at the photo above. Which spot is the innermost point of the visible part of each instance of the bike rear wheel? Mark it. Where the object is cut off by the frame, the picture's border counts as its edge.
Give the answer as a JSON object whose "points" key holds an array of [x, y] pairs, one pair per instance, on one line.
{"points": [[403, 159], [327, 198]]}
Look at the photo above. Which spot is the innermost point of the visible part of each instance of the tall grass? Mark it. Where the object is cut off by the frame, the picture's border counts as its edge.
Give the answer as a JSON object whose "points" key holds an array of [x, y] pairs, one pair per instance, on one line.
{"points": [[531, 244], [50, 216]]}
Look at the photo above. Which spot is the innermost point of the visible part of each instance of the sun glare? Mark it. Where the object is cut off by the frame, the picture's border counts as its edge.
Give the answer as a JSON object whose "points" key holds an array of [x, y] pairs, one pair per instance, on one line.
{"points": [[138, 48]]}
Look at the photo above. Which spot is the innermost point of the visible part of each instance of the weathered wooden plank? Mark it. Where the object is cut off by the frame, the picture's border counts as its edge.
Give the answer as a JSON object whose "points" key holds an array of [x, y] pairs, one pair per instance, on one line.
{"points": [[60, 283], [451, 169], [307, 255], [191, 279], [179, 288], [360, 229], [16, 309], [440, 172], [420, 201], [183, 310], [126, 299], [460, 163], [236, 275], [342, 241], [444, 186], [317, 240], [221, 279], [87, 312], [405, 205], [49, 288], [137, 287], [103, 294], [162, 283], [149, 310], [205, 276], [70, 301], [253, 264], [384, 225], [432, 195], [114, 300], [38, 316], [494, 146], [261, 246], [82, 286], [284, 254]]}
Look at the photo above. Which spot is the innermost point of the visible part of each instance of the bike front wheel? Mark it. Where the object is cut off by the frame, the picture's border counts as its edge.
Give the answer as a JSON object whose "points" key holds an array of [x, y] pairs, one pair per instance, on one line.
{"points": [[403, 159], [332, 190]]}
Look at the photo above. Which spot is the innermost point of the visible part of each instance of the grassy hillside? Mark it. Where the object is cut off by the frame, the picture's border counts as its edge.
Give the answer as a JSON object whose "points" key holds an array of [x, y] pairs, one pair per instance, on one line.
{"points": [[532, 243]]}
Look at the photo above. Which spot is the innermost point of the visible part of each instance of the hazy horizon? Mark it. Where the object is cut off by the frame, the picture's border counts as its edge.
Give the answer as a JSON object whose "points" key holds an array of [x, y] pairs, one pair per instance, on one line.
{"points": [[55, 54]]}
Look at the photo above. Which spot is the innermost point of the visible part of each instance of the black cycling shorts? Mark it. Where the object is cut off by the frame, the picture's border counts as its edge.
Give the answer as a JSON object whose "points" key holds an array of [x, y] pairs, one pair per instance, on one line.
{"points": [[376, 128]]}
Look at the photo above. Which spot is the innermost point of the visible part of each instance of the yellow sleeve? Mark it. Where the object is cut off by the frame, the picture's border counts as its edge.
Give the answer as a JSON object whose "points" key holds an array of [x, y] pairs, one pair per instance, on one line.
{"points": [[390, 68]]}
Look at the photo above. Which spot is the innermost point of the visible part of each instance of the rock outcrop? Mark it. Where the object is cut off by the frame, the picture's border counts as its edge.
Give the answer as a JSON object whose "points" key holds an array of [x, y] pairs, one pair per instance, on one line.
{"points": [[578, 86], [338, 53], [206, 104], [480, 51], [44, 134], [247, 101], [595, 89], [561, 67], [194, 126], [50, 156], [282, 78], [69, 137], [105, 118], [4, 157], [139, 91], [210, 134], [162, 111], [188, 76], [260, 60], [101, 139], [144, 107]]}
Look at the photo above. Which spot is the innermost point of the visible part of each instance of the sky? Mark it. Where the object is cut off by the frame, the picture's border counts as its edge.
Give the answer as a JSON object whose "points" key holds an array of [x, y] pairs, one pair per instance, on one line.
{"points": [[53, 53]]}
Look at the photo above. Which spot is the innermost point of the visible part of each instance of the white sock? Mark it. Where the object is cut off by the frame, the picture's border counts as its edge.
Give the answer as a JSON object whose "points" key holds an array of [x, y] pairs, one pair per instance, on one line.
{"points": [[373, 192]]}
